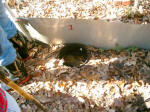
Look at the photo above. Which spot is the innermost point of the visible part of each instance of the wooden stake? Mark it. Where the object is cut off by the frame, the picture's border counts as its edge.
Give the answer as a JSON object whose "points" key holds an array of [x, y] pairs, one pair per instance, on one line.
{"points": [[11, 84]]}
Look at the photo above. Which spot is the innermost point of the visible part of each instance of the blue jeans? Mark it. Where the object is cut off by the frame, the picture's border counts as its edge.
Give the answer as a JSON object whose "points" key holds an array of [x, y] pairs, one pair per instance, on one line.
{"points": [[7, 30]]}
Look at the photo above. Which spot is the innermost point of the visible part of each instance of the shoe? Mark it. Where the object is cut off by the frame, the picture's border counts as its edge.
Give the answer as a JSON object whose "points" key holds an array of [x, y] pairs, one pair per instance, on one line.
{"points": [[21, 43], [4, 86], [10, 76]]}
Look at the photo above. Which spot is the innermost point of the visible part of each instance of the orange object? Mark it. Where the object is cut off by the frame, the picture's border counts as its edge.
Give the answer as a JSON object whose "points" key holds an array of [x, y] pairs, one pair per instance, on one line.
{"points": [[21, 92], [70, 27], [25, 80], [22, 82], [27, 58]]}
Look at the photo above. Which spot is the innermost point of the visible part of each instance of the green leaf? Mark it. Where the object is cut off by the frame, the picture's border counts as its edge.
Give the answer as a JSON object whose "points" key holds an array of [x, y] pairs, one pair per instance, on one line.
{"points": [[101, 50], [118, 47], [133, 49]]}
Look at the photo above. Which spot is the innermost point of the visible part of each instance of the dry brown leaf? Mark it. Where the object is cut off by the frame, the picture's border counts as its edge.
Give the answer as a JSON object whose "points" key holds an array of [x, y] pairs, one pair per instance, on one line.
{"points": [[90, 87]]}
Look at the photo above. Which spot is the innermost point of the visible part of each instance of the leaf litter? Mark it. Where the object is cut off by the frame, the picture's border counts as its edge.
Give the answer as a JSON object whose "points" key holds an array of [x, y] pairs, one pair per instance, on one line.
{"points": [[110, 81], [111, 10]]}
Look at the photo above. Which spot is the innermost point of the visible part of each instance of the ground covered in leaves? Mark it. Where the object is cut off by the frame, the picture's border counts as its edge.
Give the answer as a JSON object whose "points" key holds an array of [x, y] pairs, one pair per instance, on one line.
{"points": [[111, 81], [84, 9]]}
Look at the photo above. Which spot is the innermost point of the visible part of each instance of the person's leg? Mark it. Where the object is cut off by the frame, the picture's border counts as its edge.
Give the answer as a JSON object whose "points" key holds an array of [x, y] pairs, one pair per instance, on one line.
{"points": [[8, 56], [12, 105], [6, 23], [8, 53], [19, 42]]}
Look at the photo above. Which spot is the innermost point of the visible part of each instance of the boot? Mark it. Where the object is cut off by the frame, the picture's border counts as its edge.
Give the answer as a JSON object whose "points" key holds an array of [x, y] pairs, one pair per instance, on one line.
{"points": [[10, 76], [21, 43]]}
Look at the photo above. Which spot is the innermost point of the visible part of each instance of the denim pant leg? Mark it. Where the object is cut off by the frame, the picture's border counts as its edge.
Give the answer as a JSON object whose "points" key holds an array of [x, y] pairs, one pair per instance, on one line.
{"points": [[12, 105], [7, 25], [8, 53]]}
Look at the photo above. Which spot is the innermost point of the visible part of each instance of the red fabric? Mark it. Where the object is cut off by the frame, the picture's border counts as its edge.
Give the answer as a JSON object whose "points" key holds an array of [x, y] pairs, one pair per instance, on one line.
{"points": [[3, 101]]}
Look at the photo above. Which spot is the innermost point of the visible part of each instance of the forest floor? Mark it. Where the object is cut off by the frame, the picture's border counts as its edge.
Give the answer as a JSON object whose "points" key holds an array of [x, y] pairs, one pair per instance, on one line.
{"points": [[111, 81]]}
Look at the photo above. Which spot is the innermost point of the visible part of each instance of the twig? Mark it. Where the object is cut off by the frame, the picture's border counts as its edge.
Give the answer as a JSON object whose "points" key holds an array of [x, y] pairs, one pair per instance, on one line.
{"points": [[11, 84]]}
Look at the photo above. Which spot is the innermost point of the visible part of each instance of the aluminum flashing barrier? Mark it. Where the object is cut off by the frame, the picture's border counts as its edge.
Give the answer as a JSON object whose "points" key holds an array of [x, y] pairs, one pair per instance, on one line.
{"points": [[90, 32]]}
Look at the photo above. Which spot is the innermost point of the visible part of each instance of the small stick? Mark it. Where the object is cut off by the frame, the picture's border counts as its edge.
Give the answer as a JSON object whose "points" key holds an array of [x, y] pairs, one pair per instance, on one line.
{"points": [[11, 84]]}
